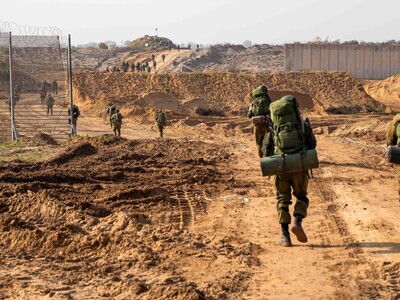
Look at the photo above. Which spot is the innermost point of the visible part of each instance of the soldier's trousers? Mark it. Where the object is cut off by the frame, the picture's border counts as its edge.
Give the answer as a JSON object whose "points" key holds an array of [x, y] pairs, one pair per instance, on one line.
{"points": [[161, 129], [259, 132], [117, 129], [49, 109], [284, 184], [398, 178]]}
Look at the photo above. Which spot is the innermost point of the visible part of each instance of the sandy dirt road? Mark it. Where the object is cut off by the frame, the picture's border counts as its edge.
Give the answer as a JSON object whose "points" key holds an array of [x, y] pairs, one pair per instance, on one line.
{"points": [[353, 226]]}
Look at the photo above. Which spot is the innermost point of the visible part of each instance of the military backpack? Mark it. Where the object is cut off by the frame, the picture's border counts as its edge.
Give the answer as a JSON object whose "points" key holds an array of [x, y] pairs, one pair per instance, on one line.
{"points": [[117, 117], [261, 101], [288, 126], [161, 119]]}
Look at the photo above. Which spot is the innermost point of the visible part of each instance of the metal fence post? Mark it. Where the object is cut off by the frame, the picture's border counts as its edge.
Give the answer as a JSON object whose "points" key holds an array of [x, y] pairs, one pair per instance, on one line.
{"points": [[14, 133], [71, 101]]}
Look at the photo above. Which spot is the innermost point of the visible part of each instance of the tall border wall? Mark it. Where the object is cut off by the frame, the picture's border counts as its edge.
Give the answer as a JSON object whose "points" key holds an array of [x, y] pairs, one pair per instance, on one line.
{"points": [[361, 61]]}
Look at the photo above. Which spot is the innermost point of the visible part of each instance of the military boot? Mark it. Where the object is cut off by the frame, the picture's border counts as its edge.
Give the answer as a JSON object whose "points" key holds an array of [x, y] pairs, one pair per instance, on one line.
{"points": [[285, 236], [298, 230]]}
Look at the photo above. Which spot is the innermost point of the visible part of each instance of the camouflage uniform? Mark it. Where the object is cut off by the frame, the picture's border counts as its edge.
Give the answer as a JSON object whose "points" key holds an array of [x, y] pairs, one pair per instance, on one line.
{"points": [[285, 183], [161, 122], [50, 102], [111, 109], [259, 129], [393, 138], [117, 122]]}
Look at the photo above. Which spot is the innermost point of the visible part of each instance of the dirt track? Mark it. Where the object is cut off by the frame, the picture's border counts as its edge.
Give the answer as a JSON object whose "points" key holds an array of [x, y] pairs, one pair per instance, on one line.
{"points": [[190, 216], [184, 219]]}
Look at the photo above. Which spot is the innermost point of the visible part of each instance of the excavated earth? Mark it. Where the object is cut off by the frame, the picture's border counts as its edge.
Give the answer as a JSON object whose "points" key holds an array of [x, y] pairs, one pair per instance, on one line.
{"points": [[110, 217], [190, 216]]}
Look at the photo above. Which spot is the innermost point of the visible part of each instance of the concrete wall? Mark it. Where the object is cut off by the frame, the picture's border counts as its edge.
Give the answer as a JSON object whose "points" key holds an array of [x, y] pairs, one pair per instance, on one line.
{"points": [[361, 61]]}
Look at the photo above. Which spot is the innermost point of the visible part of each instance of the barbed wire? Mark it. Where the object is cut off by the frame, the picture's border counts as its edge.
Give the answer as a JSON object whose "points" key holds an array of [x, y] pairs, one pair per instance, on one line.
{"points": [[17, 29]]}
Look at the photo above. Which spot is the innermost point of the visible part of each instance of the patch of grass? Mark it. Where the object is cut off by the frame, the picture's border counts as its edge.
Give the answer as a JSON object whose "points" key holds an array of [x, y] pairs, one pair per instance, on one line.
{"points": [[7, 145], [103, 137]]}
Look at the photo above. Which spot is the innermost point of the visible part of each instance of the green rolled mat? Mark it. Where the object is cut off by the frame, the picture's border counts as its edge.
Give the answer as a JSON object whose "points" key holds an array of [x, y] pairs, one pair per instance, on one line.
{"points": [[394, 155], [289, 163]]}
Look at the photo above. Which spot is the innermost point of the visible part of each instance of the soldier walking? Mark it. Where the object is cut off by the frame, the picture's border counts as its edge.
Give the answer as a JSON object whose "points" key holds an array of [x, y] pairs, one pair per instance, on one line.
{"points": [[50, 102], [55, 87], [161, 120], [110, 110], [290, 134], [117, 122], [74, 113], [259, 114]]}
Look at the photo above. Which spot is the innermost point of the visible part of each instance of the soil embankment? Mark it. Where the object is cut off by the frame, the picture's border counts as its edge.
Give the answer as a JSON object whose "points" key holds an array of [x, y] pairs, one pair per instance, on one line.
{"points": [[320, 92], [387, 91]]}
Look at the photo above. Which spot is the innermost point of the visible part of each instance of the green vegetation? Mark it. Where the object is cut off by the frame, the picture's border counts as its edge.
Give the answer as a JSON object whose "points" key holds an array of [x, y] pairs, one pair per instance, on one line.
{"points": [[152, 42], [103, 137], [6, 145]]}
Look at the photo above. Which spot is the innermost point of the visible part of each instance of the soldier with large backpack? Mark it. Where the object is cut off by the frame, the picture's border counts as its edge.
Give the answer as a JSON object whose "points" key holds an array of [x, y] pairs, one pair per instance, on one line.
{"points": [[393, 139], [259, 114], [161, 121], [116, 120], [289, 135]]}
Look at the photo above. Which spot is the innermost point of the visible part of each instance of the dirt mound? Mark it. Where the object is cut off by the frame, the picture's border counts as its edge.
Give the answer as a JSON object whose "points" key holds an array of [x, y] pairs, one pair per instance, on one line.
{"points": [[387, 91], [322, 92], [161, 100], [113, 221], [228, 57]]}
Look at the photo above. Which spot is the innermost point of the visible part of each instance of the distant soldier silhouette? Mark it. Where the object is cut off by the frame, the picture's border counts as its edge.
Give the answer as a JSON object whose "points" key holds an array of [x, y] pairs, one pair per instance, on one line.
{"points": [[116, 121], [154, 65], [161, 120], [43, 94], [110, 110], [133, 67], [153, 57], [148, 69], [179, 48], [50, 102], [163, 57], [138, 66], [54, 86], [17, 92], [74, 114], [43, 91]]}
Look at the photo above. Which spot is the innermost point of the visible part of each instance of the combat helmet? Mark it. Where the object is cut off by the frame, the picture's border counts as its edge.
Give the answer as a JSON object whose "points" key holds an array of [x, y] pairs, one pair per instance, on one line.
{"points": [[261, 90]]}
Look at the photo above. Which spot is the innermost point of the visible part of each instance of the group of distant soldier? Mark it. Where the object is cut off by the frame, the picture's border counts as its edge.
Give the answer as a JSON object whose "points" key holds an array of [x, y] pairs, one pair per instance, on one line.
{"points": [[115, 119], [45, 95], [137, 67]]}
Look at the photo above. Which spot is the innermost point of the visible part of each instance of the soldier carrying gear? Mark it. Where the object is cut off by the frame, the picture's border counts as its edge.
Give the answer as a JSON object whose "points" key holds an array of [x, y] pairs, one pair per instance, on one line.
{"points": [[259, 114], [117, 122], [74, 113], [393, 139], [110, 110], [161, 121], [290, 134], [54, 86], [50, 102]]}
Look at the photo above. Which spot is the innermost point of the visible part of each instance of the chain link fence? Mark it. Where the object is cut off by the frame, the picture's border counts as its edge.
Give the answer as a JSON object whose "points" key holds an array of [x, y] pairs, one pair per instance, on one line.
{"points": [[36, 100]]}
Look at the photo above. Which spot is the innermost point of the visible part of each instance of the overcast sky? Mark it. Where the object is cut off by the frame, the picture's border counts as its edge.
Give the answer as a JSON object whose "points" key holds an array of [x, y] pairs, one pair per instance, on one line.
{"points": [[211, 21]]}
